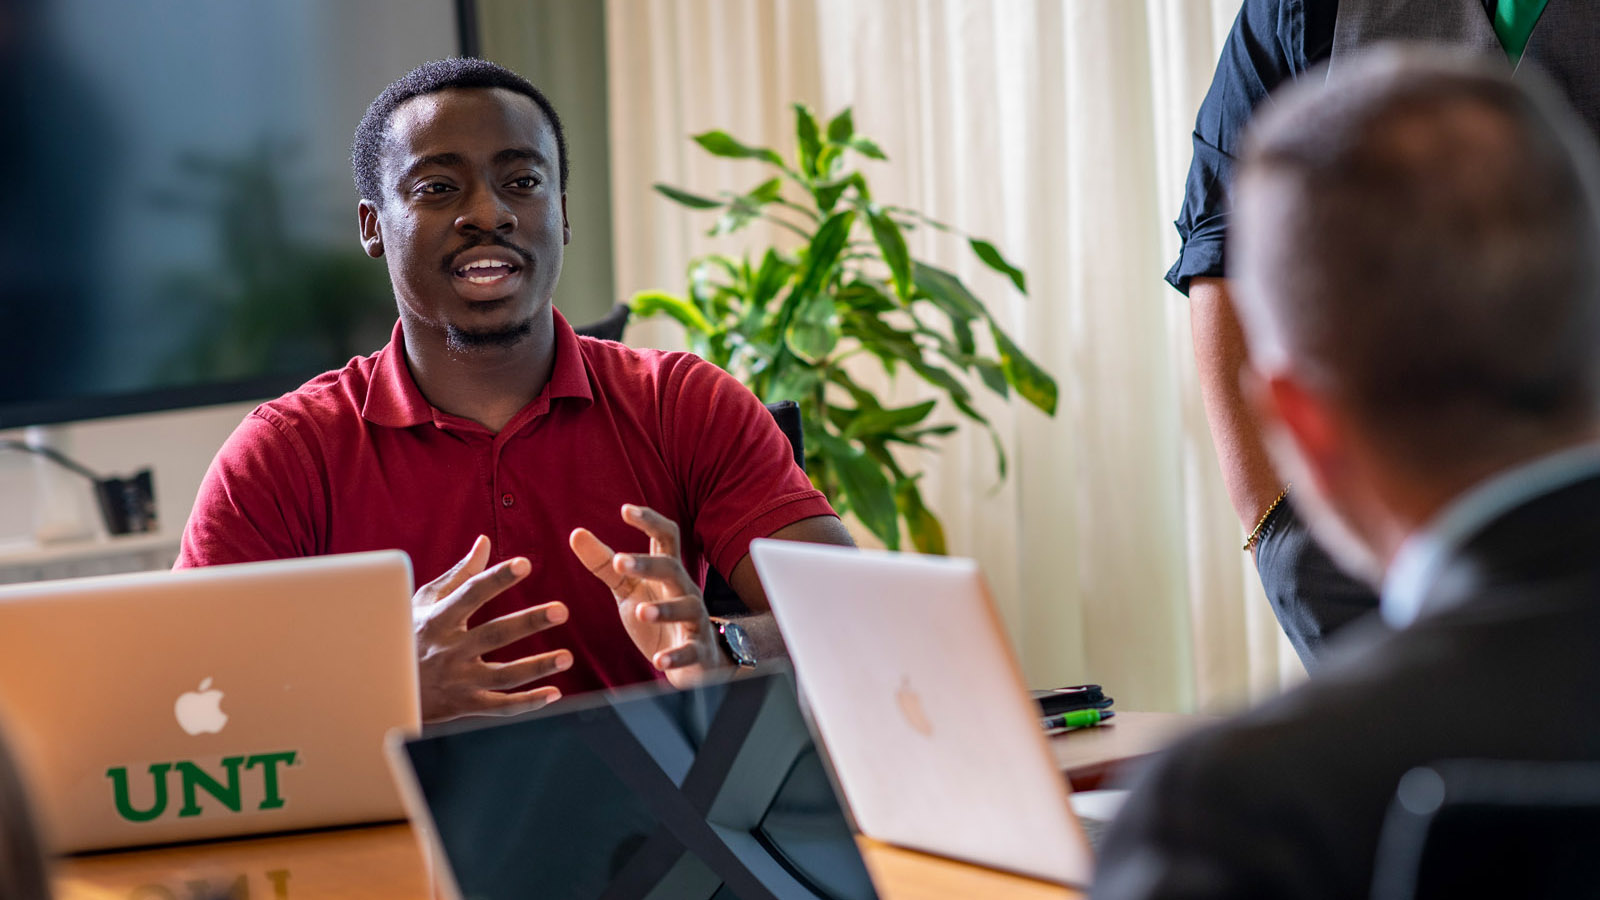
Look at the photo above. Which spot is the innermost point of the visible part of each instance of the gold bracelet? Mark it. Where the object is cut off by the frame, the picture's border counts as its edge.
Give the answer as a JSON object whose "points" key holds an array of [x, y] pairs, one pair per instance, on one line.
{"points": [[1260, 523]]}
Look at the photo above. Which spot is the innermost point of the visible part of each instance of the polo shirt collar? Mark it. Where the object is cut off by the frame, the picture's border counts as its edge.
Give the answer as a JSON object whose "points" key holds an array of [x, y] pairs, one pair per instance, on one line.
{"points": [[394, 401]]}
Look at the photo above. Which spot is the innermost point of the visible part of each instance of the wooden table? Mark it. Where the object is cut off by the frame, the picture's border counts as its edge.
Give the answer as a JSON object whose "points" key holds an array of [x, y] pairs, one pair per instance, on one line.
{"points": [[385, 861], [1091, 758]]}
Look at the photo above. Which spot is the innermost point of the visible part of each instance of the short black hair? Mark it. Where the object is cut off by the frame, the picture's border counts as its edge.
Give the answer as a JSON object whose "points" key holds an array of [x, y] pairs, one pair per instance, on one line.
{"points": [[430, 78]]}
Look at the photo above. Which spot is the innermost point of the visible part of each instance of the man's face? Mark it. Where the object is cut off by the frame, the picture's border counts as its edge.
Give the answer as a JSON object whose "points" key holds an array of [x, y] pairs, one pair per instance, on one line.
{"points": [[473, 218]]}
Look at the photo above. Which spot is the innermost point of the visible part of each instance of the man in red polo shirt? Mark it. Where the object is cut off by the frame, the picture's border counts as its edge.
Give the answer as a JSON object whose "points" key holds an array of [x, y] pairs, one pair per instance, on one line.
{"points": [[486, 423]]}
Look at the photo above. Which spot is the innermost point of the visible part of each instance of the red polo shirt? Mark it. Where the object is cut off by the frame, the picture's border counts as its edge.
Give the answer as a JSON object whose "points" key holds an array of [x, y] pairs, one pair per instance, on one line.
{"points": [[357, 459]]}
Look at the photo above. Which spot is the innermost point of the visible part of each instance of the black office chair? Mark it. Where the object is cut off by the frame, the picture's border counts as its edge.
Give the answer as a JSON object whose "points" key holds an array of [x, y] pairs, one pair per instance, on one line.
{"points": [[720, 597], [609, 328], [1481, 828]]}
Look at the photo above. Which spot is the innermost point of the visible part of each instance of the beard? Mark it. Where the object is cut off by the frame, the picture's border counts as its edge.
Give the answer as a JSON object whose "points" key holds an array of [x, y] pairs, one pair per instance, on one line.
{"points": [[1322, 516], [462, 340]]}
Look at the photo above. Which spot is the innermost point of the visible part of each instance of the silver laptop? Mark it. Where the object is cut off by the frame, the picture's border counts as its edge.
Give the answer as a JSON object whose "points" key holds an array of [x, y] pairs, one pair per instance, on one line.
{"points": [[204, 703], [920, 704], [703, 794]]}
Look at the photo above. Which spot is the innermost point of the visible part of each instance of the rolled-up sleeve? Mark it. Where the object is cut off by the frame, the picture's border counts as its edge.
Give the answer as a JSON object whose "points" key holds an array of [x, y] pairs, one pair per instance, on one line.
{"points": [[1265, 49]]}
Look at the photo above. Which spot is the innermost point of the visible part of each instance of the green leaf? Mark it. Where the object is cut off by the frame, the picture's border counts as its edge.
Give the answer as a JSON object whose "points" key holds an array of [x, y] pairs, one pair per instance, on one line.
{"points": [[740, 213], [927, 534], [867, 148], [863, 398], [878, 452], [888, 421], [999, 453], [892, 244], [860, 182], [841, 416], [948, 292], [864, 297], [866, 489], [842, 127], [693, 201], [827, 193], [813, 331], [809, 144], [829, 161], [992, 258], [765, 192], [1027, 376], [959, 395], [915, 438], [823, 252], [769, 279], [872, 331], [966, 343], [649, 303], [720, 143], [794, 383], [993, 375]]}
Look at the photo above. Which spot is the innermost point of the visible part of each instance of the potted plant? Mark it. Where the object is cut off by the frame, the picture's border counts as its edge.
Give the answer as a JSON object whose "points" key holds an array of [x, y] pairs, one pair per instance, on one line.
{"points": [[786, 324]]}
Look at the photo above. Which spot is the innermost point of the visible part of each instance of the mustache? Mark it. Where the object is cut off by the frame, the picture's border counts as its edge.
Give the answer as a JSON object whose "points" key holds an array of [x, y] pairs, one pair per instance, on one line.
{"points": [[491, 241]]}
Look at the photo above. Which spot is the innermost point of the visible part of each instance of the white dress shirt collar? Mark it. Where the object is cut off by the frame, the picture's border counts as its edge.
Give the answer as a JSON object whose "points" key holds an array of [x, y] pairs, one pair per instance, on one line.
{"points": [[1417, 564]]}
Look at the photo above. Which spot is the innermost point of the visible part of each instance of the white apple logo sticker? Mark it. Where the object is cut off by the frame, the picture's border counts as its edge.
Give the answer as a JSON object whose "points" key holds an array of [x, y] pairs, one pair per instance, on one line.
{"points": [[200, 712]]}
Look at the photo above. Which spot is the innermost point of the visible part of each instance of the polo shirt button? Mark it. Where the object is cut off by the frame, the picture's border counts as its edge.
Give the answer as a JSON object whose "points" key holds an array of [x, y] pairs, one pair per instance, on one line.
{"points": [[507, 500]]}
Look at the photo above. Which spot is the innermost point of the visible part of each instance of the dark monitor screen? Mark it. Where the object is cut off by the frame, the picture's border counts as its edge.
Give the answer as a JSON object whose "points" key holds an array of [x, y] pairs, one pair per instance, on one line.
{"points": [[708, 794], [179, 225]]}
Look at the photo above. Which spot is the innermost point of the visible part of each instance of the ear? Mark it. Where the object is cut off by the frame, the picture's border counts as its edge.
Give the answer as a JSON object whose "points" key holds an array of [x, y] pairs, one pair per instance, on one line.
{"points": [[1309, 422], [566, 230], [371, 231]]}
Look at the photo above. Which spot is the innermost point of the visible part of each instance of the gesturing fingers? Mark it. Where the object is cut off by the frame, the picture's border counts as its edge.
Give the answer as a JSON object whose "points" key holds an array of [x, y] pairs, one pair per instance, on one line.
{"points": [[680, 657], [470, 565], [665, 570], [677, 610], [511, 627], [494, 703], [529, 669], [456, 607], [596, 556], [663, 531]]}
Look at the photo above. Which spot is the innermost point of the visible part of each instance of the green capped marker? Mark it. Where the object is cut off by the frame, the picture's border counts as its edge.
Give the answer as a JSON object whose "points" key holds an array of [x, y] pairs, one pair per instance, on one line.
{"points": [[1078, 718]]}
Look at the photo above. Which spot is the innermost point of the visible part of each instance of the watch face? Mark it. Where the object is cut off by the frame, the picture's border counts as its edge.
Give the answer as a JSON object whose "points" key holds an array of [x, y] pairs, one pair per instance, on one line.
{"points": [[738, 644]]}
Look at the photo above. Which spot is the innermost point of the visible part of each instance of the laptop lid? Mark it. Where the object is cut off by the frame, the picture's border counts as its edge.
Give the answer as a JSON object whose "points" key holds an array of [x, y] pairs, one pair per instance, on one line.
{"points": [[913, 688], [204, 703], [715, 792]]}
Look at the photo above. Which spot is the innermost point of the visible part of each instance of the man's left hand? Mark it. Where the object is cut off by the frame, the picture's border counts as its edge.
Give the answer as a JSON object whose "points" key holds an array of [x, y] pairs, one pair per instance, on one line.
{"points": [[660, 604]]}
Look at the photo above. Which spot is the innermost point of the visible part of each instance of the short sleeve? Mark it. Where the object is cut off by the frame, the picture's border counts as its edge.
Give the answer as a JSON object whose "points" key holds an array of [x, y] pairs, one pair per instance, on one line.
{"points": [[257, 500], [1264, 49], [734, 463]]}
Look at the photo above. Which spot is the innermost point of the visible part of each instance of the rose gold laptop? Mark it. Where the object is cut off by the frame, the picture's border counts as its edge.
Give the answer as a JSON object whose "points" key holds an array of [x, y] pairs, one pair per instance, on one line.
{"points": [[916, 696], [205, 703]]}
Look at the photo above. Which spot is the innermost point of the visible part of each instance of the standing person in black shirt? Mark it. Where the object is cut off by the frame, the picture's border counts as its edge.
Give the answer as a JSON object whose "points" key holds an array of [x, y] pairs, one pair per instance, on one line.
{"points": [[1274, 42]]}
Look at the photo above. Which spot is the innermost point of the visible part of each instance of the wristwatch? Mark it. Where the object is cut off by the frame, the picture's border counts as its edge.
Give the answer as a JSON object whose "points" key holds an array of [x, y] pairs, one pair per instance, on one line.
{"points": [[735, 642]]}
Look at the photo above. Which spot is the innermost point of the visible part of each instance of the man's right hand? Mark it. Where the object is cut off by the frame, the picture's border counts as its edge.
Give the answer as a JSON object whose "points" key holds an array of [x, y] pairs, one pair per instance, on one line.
{"points": [[455, 680]]}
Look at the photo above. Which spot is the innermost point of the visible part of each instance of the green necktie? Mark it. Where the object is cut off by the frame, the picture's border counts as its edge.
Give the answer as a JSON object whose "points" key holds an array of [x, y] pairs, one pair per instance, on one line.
{"points": [[1514, 21]]}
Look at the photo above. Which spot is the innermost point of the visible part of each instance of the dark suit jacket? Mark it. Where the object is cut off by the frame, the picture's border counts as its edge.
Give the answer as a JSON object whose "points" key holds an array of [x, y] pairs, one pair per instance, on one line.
{"points": [[1287, 800]]}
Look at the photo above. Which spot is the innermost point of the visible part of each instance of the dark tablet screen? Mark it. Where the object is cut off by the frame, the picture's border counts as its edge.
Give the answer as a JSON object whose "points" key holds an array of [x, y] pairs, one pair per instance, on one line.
{"points": [[716, 792]]}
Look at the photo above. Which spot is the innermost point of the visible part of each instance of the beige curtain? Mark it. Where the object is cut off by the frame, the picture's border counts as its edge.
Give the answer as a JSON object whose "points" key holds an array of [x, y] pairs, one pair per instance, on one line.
{"points": [[1060, 130]]}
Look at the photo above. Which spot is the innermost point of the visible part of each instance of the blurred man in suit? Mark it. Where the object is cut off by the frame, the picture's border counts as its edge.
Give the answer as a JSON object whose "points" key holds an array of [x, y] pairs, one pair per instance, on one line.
{"points": [[1274, 42], [1417, 267]]}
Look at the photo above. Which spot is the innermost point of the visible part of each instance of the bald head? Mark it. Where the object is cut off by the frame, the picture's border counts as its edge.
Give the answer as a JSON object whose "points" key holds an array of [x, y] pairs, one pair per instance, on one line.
{"points": [[1419, 239]]}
